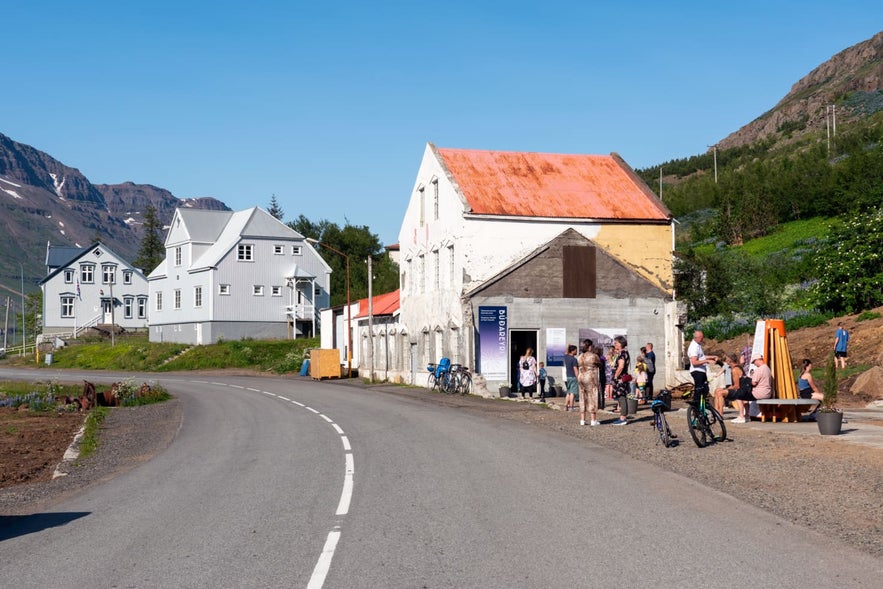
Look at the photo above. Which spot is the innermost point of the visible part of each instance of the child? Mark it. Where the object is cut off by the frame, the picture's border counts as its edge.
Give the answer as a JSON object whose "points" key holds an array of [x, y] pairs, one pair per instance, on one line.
{"points": [[641, 378], [542, 381]]}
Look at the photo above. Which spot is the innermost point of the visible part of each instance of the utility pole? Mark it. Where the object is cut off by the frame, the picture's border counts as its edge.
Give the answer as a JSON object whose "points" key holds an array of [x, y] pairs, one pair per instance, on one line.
{"points": [[660, 182], [714, 147], [24, 331], [370, 320], [6, 324]]}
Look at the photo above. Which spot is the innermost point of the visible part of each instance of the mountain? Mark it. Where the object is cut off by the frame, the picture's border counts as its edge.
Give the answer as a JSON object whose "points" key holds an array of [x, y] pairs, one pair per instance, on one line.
{"points": [[43, 200], [851, 82]]}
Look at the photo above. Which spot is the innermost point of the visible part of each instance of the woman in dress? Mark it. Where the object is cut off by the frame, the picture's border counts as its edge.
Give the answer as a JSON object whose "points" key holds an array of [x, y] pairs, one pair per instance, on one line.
{"points": [[588, 363], [527, 373], [620, 371]]}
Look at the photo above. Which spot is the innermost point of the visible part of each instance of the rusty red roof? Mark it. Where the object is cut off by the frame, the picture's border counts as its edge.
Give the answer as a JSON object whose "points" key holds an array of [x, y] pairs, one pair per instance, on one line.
{"points": [[527, 184], [383, 304]]}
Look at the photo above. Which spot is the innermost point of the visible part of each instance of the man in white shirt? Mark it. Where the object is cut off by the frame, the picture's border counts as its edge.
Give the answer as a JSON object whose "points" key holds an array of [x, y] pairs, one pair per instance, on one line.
{"points": [[698, 363]]}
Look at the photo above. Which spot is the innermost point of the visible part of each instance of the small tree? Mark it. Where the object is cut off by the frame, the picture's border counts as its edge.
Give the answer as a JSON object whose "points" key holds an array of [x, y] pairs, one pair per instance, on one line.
{"points": [[829, 386], [153, 250], [275, 209]]}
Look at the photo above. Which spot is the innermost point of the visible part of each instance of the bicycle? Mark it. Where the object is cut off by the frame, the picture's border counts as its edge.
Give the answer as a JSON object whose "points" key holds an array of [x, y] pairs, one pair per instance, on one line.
{"points": [[440, 377], [706, 425], [463, 378], [659, 406]]}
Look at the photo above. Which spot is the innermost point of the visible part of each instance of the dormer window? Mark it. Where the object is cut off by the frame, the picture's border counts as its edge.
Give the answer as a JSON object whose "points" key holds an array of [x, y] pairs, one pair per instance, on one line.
{"points": [[177, 256]]}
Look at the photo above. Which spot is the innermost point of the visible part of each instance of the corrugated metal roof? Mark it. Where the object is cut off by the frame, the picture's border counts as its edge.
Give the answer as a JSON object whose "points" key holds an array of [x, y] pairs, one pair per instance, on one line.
{"points": [[383, 304], [526, 184]]}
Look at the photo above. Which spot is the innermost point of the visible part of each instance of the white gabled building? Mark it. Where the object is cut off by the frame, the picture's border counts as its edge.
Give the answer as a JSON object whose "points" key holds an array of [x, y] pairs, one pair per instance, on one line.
{"points": [[514, 250], [234, 275], [88, 287]]}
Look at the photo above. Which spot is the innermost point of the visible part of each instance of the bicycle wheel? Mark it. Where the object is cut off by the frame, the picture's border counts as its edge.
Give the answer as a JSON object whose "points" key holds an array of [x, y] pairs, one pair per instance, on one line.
{"points": [[432, 382], [697, 426], [465, 384], [448, 383], [662, 426], [717, 429]]}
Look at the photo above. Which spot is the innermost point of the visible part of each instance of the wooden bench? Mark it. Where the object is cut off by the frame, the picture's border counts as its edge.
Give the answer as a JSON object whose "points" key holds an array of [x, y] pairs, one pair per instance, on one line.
{"points": [[786, 410]]}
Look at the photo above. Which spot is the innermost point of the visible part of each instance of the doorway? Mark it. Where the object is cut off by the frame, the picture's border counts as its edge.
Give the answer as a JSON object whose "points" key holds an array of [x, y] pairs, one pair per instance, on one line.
{"points": [[519, 341]]}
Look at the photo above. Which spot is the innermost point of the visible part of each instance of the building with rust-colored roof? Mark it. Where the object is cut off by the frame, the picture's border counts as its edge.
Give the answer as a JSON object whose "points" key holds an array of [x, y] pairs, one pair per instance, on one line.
{"points": [[501, 251]]}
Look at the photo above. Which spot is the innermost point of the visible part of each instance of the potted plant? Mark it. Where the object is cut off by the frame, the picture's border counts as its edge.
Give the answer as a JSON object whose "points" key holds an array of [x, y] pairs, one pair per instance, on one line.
{"points": [[632, 404], [829, 418]]}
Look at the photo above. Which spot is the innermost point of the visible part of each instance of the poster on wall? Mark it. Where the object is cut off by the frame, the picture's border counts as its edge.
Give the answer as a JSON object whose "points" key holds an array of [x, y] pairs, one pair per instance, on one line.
{"points": [[493, 342], [601, 336], [556, 345]]}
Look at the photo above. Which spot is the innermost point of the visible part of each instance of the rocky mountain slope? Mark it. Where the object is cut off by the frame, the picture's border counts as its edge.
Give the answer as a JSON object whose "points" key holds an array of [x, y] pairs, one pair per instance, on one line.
{"points": [[851, 81], [45, 201]]}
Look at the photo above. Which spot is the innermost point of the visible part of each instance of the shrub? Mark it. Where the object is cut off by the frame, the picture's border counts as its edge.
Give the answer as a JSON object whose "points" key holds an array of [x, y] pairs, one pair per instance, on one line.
{"points": [[868, 315]]}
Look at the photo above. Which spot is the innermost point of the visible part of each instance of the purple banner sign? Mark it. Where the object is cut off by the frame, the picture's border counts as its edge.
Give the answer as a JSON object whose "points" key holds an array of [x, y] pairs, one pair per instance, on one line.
{"points": [[493, 342]]}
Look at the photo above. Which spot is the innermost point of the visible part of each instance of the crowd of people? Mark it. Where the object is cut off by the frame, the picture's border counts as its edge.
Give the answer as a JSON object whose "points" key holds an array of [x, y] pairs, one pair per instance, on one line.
{"points": [[596, 377]]}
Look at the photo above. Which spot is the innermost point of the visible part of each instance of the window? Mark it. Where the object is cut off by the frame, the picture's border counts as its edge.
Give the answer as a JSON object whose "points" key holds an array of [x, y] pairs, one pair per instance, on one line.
{"points": [[177, 298], [67, 306], [127, 277], [108, 274], [451, 265], [278, 249], [224, 289], [257, 290], [317, 291], [296, 250], [422, 273], [436, 263], [142, 307], [197, 296], [245, 252], [128, 304], [276, 291], [422, 206], [579, 271], [177, 256], [87, 273], [435, 197], [69, 276], [159, 300]]}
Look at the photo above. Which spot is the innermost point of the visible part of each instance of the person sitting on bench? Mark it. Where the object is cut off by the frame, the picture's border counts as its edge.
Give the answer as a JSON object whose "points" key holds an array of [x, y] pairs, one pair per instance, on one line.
{"points": [[761, 387], [724, 394], [806, 387]]}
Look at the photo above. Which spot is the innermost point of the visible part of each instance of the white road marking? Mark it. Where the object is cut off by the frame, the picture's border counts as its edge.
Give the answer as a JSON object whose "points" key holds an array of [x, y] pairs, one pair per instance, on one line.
{"points": [[344, 506], [298, 404], [324, 564], [255, 390], [337, 428], [326, 418], [284, 398], [219, 384], [311, 409], [346, 443], [236, 386], [269, 393]]}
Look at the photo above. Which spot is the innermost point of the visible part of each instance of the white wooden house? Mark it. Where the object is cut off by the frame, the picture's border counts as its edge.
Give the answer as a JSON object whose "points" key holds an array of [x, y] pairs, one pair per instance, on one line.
{"points": [[88, 287], [234, 275], [500, 251]]}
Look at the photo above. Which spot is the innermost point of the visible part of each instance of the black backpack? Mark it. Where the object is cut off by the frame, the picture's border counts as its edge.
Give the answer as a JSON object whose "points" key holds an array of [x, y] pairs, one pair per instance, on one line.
{"points": [[525, 365]]}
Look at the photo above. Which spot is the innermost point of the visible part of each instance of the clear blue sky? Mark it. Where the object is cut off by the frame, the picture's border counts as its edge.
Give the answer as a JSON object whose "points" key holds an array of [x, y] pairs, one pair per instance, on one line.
{"points": [[328, 105]]}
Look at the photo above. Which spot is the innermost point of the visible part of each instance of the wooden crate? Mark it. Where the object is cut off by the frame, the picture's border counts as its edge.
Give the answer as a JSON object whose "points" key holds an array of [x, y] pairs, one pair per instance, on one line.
{"points": [[325, 363]]}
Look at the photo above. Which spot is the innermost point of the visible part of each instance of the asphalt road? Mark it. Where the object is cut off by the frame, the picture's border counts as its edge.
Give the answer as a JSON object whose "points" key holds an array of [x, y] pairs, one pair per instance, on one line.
{"points": [[279, 483]]}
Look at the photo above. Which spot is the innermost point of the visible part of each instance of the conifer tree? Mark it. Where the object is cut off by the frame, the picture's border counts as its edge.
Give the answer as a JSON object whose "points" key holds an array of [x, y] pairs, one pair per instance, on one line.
{"points": [[153, 250], [275, 209]]}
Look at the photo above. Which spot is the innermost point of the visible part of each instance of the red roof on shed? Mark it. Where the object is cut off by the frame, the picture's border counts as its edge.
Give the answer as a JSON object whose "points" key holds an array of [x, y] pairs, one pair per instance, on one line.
{"points": [[384, 304], [551, 185]]}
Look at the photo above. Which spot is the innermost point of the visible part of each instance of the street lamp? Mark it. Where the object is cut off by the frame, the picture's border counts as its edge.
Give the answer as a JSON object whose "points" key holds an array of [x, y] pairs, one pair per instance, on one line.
{"points": [[24, 331], [349, 313]]}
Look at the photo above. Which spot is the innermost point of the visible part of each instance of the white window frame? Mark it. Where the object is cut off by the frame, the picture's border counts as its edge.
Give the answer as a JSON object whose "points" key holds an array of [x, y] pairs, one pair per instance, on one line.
{"points": [[69, 275], [178, 255], [278, 249], [159, 300], [128, 303], [67, 306], [177, 298], [108, 274], [275, 291], [127, 277], [257, 290], [296, 250], [224, 290], [142, 307], [245, 252], [197, 297], [435, 198], [87, 273]]}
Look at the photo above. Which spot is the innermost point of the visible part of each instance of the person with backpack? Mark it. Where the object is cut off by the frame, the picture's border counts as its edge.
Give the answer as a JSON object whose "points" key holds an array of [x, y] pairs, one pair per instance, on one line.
{"points": [[527, 373]]}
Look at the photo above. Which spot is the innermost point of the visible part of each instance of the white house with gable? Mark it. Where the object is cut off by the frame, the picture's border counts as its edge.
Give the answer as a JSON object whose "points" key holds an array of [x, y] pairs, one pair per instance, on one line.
{"points": [[501, 251], [92, 286], [234, 275]]}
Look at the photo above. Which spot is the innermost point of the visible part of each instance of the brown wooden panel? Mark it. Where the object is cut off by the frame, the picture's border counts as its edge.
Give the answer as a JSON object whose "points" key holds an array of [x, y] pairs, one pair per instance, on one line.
{"points": [[579, 272]]}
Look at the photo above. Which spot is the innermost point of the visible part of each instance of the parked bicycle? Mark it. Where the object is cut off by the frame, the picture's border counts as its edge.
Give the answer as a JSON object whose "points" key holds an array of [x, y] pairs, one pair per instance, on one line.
{"points": [[706, 425], [441, 376], [659, 406], [463, 379]]}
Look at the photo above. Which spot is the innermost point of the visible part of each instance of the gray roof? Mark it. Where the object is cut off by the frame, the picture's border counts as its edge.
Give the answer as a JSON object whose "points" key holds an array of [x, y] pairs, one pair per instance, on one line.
{"points": [[60, 255]]}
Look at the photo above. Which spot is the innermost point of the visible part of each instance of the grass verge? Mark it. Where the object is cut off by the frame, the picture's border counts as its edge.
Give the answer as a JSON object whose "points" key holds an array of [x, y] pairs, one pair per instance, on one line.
{"points": [[90, 435]]}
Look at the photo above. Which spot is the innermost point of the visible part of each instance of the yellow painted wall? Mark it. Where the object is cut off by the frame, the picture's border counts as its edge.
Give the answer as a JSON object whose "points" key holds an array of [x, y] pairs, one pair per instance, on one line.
{"points": [[646, 248]]}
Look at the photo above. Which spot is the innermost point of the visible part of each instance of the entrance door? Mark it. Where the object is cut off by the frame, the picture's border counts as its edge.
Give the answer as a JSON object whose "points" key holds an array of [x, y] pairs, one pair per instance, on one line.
{"points": [[519, 341], [106, 307]]}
